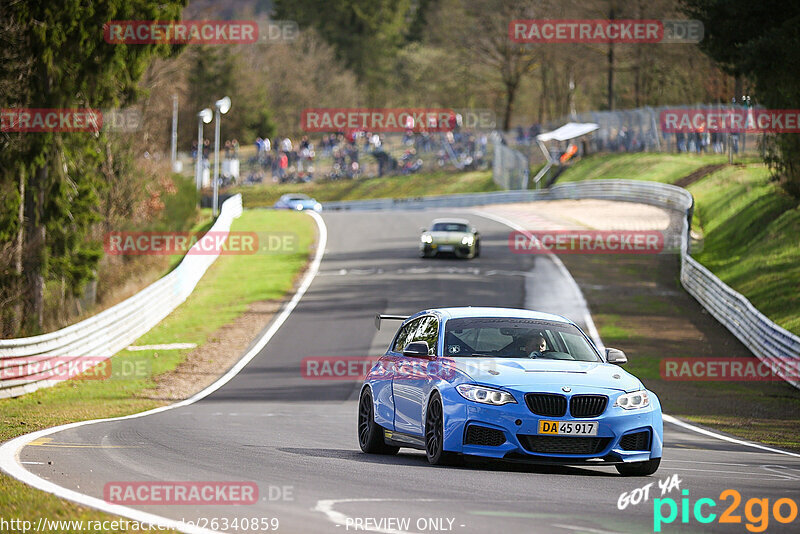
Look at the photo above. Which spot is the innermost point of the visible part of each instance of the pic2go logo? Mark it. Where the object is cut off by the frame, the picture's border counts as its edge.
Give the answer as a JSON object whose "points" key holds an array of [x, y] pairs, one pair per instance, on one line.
{"points": [[756, 511]]}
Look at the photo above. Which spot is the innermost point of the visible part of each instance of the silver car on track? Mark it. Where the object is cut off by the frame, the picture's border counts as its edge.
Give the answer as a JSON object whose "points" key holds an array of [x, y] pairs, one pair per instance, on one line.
{"points": [[450, 236]]}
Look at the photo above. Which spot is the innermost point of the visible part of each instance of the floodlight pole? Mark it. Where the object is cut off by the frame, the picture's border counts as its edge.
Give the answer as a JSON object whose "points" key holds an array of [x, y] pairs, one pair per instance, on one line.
{"points": [[174, 153], [225, 103]]}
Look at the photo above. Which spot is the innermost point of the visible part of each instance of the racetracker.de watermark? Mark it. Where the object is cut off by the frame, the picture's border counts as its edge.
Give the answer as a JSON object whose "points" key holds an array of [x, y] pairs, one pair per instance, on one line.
{"points": [[28, 120], [602, 31], [198, 243], [730, 120], [199, 31], [50, 120], [587, 242], [389, 120], [358, 367], [729, 369], [181, 493], [59, 368], [396, 368]]}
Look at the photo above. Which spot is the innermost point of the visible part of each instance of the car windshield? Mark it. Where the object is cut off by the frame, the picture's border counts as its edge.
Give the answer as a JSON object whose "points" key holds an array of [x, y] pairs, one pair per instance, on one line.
{"points": [[516, 338], [297, 198], [449, 227]]}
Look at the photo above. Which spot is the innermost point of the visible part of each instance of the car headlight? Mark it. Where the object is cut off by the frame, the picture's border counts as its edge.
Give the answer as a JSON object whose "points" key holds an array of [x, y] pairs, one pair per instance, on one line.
{"points": [[485, 395], [426, 239], [467, 240], [633, 400]]}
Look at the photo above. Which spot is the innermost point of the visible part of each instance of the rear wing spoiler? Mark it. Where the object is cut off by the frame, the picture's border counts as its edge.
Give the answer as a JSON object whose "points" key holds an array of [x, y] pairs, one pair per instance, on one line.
{"points": [[379, 318]]}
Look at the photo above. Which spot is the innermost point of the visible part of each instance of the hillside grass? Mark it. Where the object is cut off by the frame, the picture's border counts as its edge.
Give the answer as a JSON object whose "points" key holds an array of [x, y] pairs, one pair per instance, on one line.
{"points": [[413, 185], [655, 167], [751, 239]]}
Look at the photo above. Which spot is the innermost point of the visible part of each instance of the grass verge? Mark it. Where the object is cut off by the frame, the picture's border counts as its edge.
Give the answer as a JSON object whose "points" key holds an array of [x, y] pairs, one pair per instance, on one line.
{"points": [[750, 233], [414, 185], [228, 287], [667, 168]]}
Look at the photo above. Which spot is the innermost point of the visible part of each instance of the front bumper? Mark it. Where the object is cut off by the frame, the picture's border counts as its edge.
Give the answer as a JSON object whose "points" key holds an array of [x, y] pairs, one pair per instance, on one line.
{"points": [[457, 249], [521, 440]]}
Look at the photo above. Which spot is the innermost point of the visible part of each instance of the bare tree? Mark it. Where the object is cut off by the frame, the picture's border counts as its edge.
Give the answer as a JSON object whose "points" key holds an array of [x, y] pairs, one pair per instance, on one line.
{"points": [[478, 32]]}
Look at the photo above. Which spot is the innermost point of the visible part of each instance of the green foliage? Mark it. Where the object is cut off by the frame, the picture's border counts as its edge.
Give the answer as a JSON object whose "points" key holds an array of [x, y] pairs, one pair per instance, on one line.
{"points": [[366, 34], [179, 208], [419, 21], [61, 60], [215, 72], [212, 71], [760, 40]]}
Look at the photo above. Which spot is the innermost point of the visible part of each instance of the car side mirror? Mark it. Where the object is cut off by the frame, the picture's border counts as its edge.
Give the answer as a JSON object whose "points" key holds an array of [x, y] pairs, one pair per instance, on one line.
{"points": [[423, 230], [416, 349], [616, 356]]}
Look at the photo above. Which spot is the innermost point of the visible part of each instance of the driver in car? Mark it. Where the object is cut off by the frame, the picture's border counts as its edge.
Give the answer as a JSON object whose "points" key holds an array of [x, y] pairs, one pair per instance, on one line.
{"points": [[533, 346]]}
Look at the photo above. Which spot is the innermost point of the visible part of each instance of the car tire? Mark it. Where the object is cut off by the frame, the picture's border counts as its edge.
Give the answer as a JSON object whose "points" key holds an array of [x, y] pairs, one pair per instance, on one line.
{"points": [[434, 435], [639, 469], [370, 433]]}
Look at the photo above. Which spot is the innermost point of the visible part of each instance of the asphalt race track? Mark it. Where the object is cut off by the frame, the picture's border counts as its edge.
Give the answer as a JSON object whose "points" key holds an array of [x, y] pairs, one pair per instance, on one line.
{"points": [[296, 437]]}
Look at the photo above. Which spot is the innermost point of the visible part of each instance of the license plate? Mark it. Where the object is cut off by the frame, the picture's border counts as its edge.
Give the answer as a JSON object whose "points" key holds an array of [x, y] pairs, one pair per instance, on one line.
{"points": [[447, 248], [568, 428]]}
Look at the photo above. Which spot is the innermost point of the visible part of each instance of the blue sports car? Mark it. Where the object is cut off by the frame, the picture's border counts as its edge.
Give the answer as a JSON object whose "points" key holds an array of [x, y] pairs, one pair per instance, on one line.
{"points": [[511, 384]]}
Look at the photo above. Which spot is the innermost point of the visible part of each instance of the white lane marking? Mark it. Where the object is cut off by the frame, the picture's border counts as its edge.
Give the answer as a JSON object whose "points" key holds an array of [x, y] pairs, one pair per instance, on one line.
{"points": [[587, 316], [746, 473], [687, 426], [164, 346], [10, 450], [326, 506], [576, 528], [593, 333], [781, 471], [32, 463]]}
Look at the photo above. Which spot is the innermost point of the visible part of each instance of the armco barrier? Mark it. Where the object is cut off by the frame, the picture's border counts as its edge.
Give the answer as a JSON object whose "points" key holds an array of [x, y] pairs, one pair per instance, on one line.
{"points": [[772, 344], [661, 195], [111, 330]]}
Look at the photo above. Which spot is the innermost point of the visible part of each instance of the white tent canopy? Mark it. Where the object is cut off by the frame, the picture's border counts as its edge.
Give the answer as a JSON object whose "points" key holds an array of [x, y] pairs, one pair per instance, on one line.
{"points": [[571, 130]]}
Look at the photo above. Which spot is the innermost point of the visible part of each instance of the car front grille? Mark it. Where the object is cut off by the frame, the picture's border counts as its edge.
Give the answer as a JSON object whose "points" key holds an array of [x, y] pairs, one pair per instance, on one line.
{"points": [[638, 441], [563, 444], [547, 404], [481, 435], [587, 405]]}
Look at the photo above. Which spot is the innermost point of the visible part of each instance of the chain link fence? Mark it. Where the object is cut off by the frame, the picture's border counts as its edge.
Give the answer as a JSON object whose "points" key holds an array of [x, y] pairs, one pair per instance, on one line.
{"points": [[639, 130], [510, 168]]}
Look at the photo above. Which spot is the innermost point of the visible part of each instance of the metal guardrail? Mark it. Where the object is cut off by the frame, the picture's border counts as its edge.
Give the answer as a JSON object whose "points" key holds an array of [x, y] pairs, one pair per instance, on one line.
{"points": [[662, 195], [773, 345], [101, 336], [770, 343]]}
